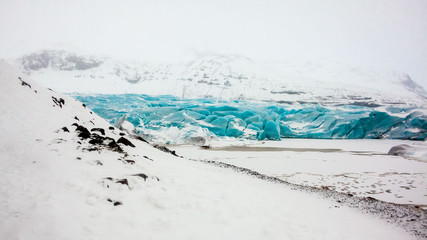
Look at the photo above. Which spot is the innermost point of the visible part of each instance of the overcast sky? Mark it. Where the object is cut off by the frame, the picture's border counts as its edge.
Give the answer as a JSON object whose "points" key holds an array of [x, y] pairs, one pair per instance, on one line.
{"points": [[389, 34]]}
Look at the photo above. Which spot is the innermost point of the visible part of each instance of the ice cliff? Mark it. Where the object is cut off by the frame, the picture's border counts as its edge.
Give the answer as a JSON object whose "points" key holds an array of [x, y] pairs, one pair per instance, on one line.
{"points": [[171, 119]]}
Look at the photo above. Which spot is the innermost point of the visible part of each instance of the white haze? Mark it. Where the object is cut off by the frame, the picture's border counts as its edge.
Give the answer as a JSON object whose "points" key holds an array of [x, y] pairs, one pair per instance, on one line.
{"points": [[389, 34]]}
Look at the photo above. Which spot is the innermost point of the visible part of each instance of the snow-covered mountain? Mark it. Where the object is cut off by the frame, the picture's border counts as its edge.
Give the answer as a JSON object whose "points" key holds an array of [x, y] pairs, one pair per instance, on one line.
{"points": [[65, 173], [225, 77]]}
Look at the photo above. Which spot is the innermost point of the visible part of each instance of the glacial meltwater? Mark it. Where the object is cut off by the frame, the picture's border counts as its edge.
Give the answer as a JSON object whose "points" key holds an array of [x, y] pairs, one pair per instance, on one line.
{"points": [[174, 120]]}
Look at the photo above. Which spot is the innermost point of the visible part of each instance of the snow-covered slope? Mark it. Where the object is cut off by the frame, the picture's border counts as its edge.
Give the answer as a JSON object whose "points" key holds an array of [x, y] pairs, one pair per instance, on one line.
{"points": [[225, 77], [65, 173]]}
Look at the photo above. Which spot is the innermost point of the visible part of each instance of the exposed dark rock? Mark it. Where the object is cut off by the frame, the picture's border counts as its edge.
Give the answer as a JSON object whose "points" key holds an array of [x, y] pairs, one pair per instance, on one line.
{"points": [[92, 149], [123, 181], [115, 203], [83, 132], [23, 83], [111, 128], [148, 158], [65, 129], [165, 149], [115, 147], [139, 138], [141, 175], [84, 135], [101, 130], [83, 105], [108, 139], [59, 102], [130, 161], [122, 134], [97, 141], [98, 162], [105, 141], [75, 117], [126, 142]]}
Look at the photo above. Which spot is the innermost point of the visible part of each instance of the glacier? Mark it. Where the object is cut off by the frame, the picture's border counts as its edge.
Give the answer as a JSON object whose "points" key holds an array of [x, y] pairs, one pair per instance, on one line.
{"points": [[174, 120], [225, 76]]}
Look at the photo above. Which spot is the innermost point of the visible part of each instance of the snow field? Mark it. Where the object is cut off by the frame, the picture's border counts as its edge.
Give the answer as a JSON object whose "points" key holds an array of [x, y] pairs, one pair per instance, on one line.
{"points": [[357, 167], [53, 186]]}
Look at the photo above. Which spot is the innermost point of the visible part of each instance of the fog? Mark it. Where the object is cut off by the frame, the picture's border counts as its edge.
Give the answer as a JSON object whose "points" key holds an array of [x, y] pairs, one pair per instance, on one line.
{"points": [[387, 34]]}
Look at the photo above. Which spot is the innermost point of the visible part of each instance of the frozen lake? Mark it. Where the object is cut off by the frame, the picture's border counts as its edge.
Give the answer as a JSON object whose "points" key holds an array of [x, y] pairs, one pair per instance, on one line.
{"points": [[358, 167]]}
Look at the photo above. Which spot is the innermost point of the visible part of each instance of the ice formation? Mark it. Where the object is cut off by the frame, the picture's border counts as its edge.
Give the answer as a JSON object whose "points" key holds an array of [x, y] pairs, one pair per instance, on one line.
{"points": [[175, 120]]}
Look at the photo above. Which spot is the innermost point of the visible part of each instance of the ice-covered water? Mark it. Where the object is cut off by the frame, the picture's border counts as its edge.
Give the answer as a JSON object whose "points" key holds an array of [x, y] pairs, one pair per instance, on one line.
{"points": [[175, 120]]}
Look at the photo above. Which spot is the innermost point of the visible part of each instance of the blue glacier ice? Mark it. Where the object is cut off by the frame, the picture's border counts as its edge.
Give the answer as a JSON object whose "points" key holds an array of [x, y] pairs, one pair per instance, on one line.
{"points": [[189, 118]]}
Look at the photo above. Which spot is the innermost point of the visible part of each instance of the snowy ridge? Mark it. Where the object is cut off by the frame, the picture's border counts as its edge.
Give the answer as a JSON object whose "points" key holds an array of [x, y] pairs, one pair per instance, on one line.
{"points": [[225, 77], [67, 174]]}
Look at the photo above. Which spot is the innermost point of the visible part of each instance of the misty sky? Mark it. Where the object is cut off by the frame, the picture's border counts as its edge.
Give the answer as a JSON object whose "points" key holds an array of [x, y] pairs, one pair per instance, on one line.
{"points": [[389, 34]]}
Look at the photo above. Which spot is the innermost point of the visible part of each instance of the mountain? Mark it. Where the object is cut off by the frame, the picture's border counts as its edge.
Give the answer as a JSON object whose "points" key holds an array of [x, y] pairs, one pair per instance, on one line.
{"points": [[226, 77], [65, 173]]}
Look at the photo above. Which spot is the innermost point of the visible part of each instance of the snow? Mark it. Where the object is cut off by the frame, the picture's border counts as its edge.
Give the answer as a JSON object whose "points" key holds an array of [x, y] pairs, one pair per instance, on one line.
{"points": [[53, 186], [224, 76], [359, 167]]}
